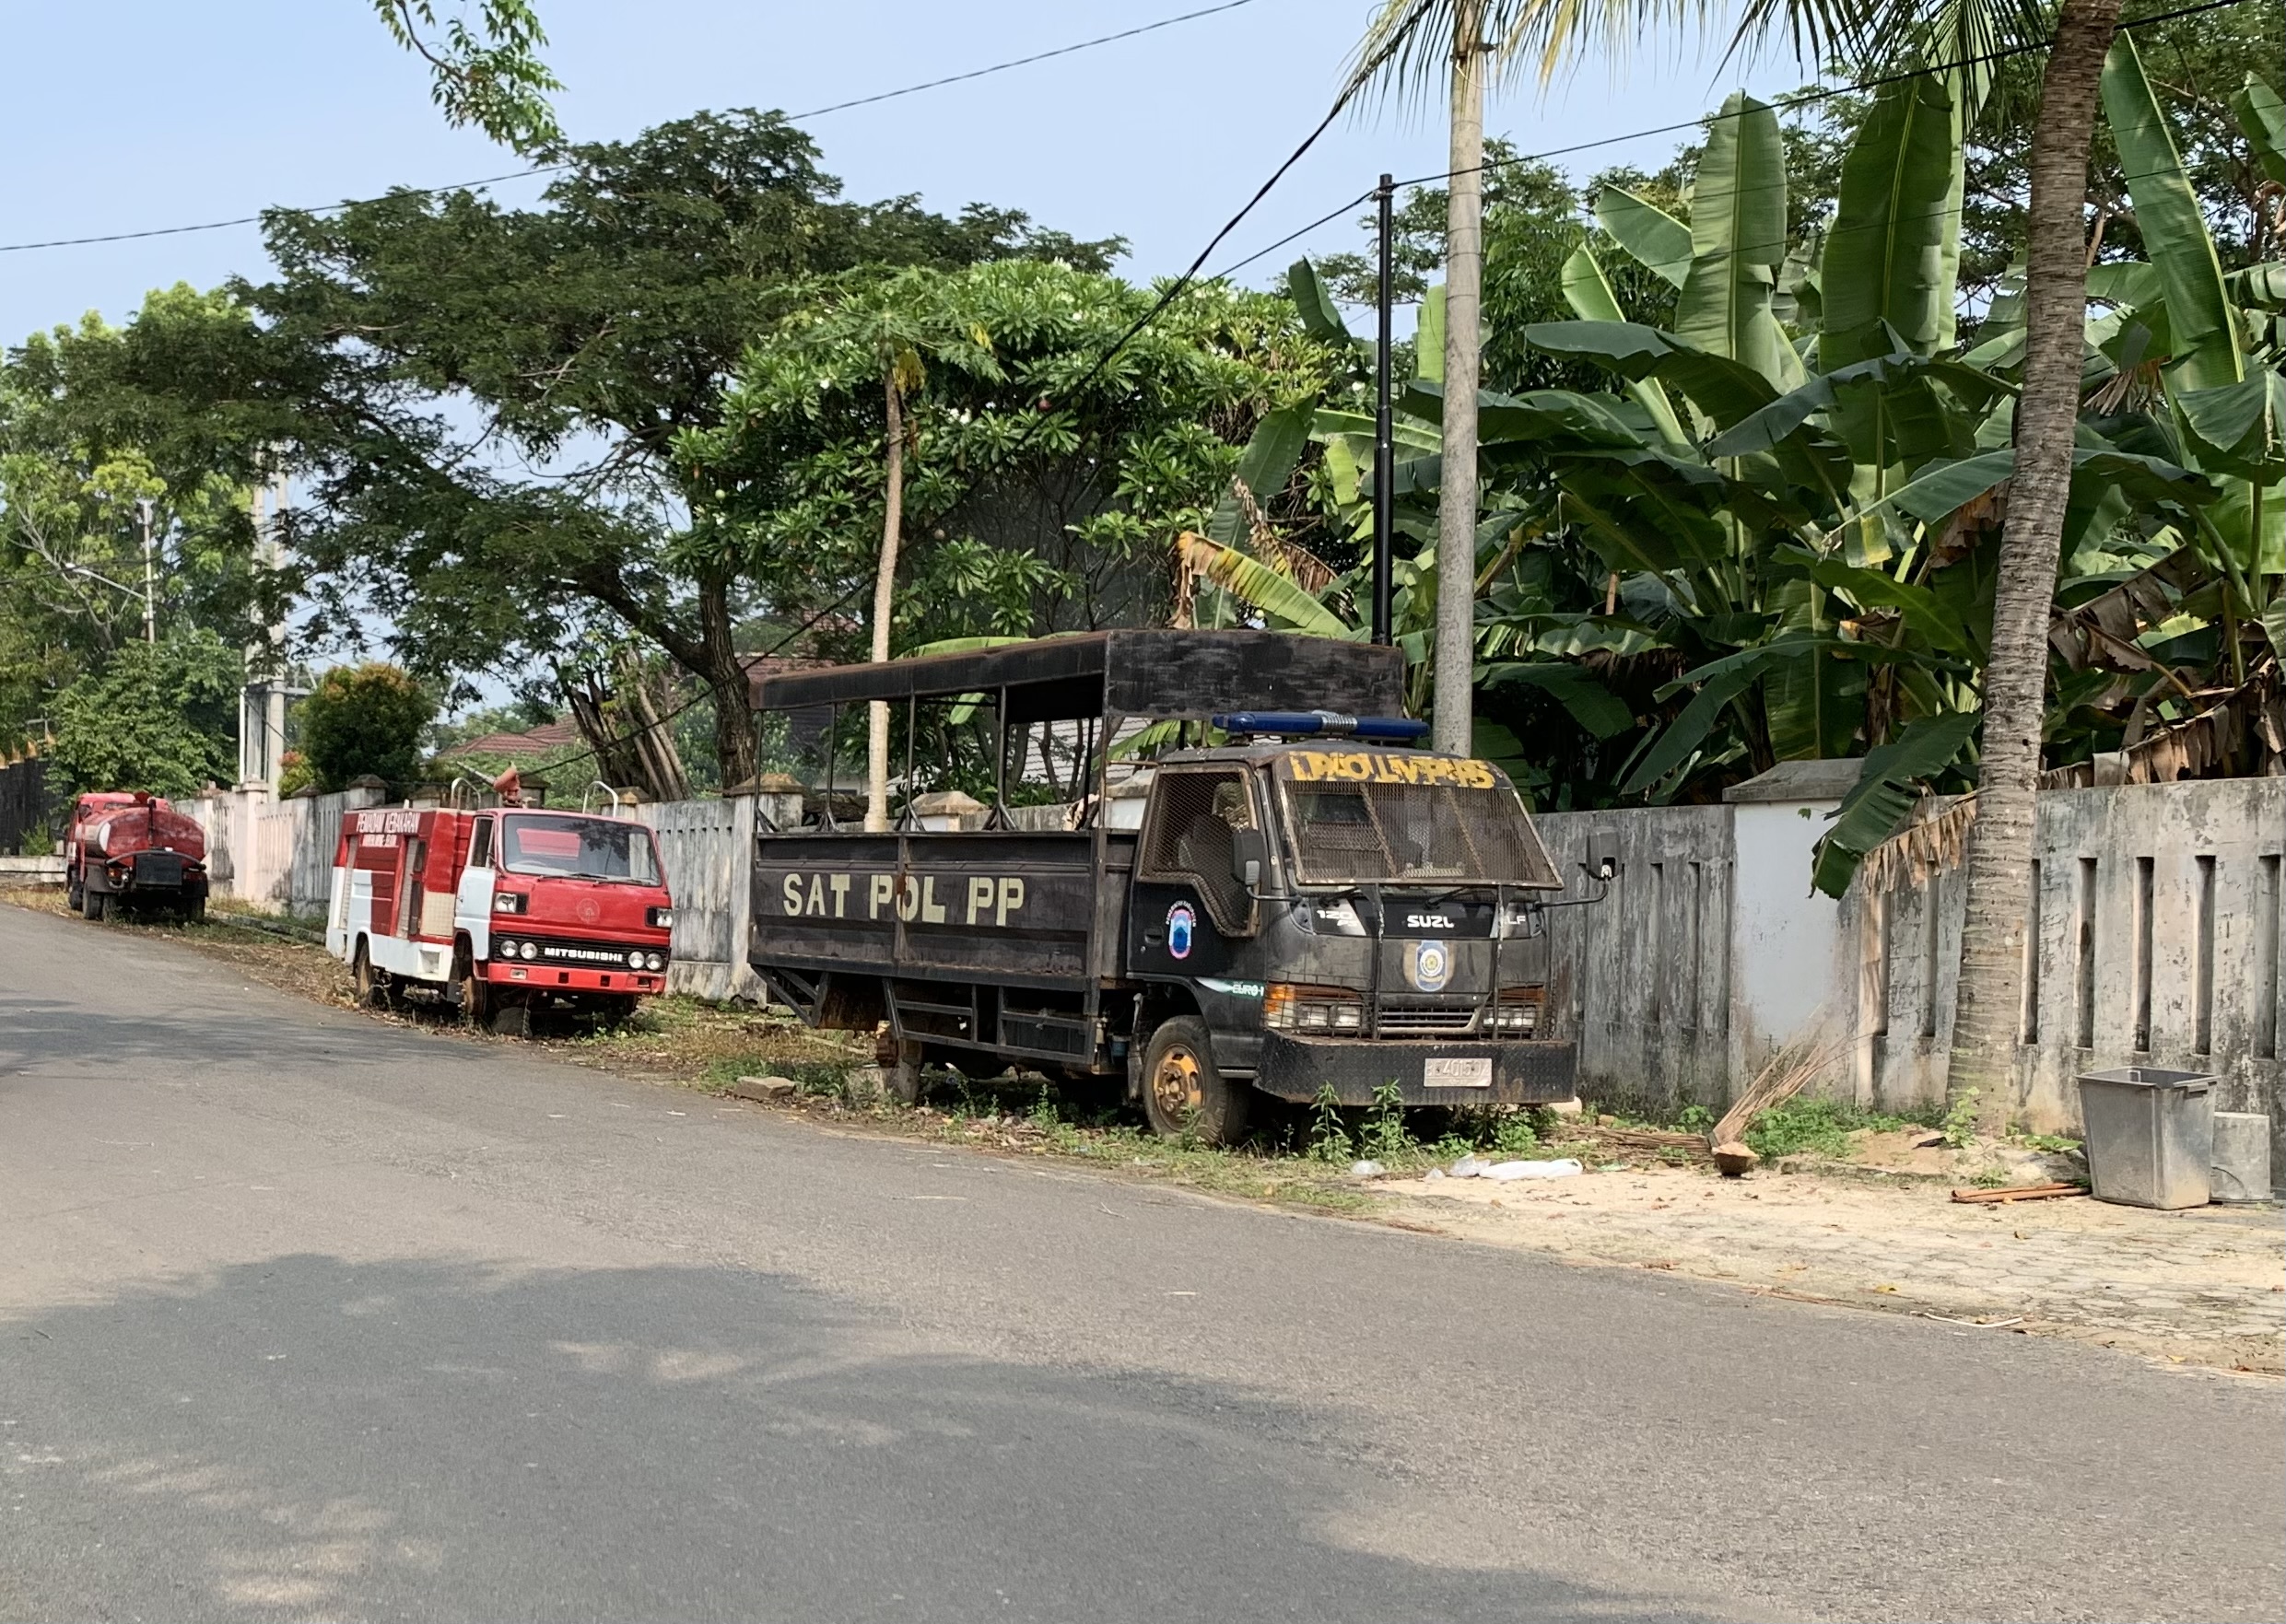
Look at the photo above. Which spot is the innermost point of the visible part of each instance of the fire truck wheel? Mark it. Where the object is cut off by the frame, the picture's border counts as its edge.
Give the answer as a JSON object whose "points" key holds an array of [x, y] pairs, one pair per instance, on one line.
{"points": [[1183, 1093], [475, 992], [373, 993]]}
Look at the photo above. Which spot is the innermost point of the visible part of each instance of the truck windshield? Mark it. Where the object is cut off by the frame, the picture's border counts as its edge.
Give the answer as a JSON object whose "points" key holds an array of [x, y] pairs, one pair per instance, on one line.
{"points": [[584, 848], [1470, 829]]}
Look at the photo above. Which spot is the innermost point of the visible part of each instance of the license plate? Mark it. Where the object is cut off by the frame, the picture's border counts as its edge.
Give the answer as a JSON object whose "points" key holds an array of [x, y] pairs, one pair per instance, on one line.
{"points": [[1452, 1073]]}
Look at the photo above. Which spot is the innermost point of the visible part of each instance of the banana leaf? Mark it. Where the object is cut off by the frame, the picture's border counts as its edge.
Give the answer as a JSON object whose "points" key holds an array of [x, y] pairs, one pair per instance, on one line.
{"points": [[1724, 389], [1881, 797], [1943, 488], [1321, 318], [1884, 262], [1259, 587], [1679, 737], [1812, 708], [1263, 469], [1926, 615], [2241, 427], [1738, 242], [1428, 338], [1652, 237], [2205, 337], [2262, 114], [1591, 705], [1589, 294]]}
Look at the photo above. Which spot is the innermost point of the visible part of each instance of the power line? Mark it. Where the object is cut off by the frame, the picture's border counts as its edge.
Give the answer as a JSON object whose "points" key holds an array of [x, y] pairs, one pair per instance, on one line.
{"points": [[998, 67]]}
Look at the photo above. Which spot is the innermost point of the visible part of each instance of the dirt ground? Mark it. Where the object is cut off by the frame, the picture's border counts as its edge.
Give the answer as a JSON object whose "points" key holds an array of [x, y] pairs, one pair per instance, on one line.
{"points": [[2206, 1287]]}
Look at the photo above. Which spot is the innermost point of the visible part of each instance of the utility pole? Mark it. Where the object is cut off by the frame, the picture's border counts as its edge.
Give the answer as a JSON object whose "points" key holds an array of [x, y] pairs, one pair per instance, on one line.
{"points": [[1384, 444], [150, 574]]}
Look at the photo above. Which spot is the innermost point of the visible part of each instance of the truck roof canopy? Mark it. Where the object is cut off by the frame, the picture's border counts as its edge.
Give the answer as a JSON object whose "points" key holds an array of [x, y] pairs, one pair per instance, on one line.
{"points": [[1164, 675]]}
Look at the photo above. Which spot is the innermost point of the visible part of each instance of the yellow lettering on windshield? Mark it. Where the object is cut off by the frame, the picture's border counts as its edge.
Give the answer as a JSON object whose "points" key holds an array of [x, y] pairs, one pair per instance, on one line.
{"points": [[1328, 767]]}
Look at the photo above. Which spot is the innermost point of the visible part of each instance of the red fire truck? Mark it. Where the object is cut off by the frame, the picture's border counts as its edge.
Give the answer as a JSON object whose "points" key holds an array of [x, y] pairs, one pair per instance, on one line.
{"points": [[500, 912], [127, 849]]}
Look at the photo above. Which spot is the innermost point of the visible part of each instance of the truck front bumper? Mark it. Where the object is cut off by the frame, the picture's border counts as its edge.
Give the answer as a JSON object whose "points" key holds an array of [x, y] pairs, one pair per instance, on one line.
{"points": [[557, 979], [1522, 1073]]}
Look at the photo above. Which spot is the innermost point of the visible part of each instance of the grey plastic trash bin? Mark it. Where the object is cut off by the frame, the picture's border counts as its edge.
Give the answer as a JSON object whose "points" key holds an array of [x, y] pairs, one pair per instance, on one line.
{"points": [[2151, 1136]]}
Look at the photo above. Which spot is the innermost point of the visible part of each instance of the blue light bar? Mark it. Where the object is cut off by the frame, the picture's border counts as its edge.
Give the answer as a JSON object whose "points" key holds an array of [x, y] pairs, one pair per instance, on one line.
{"points": [[1303, 724]]}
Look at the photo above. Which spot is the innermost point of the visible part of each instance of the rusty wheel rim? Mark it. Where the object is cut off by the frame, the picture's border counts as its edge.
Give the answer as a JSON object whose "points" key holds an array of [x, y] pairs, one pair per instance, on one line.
{"points": [[1174, 1085]]}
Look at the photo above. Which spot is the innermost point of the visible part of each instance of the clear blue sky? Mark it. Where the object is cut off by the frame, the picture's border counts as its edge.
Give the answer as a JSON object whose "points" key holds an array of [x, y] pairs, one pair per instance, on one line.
{"points": [[125, 114]]}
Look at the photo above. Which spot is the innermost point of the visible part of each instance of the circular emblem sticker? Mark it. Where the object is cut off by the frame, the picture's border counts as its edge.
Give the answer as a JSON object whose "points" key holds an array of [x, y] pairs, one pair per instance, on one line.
{"points": [[1181, 925], [1432, 965]]}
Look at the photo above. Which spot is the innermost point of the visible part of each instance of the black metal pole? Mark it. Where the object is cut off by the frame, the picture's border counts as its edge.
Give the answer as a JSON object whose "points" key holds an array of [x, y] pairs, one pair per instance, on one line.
{"points": [[1384, 447]]}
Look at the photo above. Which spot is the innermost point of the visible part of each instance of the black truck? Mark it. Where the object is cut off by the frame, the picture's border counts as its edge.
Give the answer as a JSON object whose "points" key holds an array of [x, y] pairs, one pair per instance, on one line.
{"points": [[1311, 905]]}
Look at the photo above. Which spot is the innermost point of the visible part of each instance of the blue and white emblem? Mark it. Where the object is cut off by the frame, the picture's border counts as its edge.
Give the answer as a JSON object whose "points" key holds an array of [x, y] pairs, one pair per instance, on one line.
{"points": [[1182, 928], [1432, 965]]}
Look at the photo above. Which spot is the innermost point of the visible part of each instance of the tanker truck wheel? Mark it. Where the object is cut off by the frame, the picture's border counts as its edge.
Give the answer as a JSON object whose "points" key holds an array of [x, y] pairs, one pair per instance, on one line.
{"points": [[75, 896], [1183, 1093], [96, 905]]}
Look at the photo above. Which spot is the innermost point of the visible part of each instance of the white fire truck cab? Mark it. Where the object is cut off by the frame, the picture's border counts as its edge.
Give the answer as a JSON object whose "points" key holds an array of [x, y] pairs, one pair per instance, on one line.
{"points": [[500, 912]]}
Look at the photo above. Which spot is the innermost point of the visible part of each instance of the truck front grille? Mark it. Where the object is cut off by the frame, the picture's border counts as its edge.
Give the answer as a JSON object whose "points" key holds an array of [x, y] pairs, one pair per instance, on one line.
{"points": [[1426, 1017]]}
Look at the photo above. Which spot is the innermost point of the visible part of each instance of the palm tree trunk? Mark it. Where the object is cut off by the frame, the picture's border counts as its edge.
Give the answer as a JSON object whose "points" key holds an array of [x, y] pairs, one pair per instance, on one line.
{"points": [[884, 591], [1456, 499], [1988, 1007]]}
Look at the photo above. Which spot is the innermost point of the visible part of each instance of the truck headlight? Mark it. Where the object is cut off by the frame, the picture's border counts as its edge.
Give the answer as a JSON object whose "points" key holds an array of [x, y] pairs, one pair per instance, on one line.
{"points": [[1290, 1008], [1517, 1011], [655, 961], [508, 901], [659, 919], [527, 950]]}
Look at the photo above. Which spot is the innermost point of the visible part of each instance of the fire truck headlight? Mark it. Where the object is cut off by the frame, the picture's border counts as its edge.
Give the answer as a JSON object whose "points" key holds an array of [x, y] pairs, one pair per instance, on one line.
{"points": [[508, 901], [655, 961], [659, 918], [634, 960], [527, 950]]}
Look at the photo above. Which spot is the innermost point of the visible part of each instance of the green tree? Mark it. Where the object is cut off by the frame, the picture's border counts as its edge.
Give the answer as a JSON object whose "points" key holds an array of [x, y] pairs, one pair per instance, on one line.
{"points": [[489, 75], [1039, 485], [94, 419], [365, 720], [490, 396], [160, 716]]}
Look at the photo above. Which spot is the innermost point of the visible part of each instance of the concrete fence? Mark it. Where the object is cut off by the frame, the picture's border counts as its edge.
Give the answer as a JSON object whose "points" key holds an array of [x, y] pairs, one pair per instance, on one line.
{"points": [[2155, 940], [2155, 937]]}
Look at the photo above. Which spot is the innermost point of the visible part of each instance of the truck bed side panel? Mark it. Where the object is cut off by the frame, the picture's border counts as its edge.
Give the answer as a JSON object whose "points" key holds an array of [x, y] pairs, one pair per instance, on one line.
{"points": [[998, 906]]}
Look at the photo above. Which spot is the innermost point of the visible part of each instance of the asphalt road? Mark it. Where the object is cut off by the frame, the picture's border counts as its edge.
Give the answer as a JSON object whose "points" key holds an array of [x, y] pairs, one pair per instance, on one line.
{"points": [[304, 1315]]}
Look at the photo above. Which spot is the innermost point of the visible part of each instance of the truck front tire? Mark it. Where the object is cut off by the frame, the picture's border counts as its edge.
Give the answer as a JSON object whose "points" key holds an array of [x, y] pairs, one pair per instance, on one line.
{"points": [[1183, 1093]]}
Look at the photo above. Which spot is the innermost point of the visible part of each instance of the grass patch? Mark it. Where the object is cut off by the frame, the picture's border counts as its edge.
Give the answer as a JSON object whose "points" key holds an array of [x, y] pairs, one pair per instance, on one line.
{"points": [[1820, 1126]]}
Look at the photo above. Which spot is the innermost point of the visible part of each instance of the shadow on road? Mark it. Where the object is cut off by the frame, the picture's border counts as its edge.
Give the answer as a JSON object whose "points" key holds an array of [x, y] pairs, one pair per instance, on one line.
{"points": [[308, 1436]]}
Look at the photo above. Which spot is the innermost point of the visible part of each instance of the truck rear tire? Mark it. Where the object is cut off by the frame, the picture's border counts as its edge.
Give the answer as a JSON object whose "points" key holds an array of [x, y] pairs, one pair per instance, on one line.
{"points": [[96, 905], [1184, 1094]]}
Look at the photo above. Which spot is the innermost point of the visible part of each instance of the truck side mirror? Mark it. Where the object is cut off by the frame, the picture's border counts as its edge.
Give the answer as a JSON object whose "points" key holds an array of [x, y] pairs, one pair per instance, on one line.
{"points": [[1603, 854], [1249, 851]]}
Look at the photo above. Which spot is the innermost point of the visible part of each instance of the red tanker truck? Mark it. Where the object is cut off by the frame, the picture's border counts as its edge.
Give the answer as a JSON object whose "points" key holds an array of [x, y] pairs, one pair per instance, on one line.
{"points": [[500, 912], [129, 850]]}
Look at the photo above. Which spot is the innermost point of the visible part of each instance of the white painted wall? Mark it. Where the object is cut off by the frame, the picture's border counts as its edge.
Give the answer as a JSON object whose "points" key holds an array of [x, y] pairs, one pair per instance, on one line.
{"points": [[1790, 960]]}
